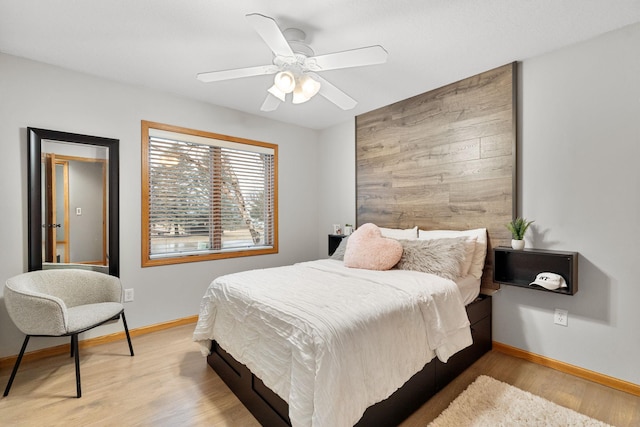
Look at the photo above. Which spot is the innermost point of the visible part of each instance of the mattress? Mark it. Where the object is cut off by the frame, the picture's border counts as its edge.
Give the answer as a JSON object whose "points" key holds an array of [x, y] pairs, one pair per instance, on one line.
{"points": [[330, 340]]}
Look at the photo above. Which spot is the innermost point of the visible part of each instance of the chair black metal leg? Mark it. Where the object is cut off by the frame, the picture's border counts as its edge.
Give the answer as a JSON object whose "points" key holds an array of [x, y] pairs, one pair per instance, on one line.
{"points": [[74, 345], [71, 346], [74, 352], [15, 367], [126, 330]]}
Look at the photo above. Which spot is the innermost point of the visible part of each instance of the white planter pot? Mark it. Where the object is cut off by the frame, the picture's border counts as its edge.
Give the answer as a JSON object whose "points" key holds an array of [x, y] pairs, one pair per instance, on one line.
{"points": [[517, 244]]}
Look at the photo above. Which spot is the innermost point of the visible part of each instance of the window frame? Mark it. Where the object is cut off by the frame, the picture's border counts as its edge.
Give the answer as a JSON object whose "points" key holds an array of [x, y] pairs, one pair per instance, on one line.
{"points": [[147, 261]]}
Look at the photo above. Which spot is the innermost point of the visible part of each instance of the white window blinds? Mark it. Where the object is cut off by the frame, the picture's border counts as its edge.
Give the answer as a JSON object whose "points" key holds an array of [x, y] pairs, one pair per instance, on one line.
{"points": [[208, 195]]}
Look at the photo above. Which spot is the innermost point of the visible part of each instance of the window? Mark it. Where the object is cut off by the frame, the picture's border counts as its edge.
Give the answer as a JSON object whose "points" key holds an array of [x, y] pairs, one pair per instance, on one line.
{"points": [[206, 196]]}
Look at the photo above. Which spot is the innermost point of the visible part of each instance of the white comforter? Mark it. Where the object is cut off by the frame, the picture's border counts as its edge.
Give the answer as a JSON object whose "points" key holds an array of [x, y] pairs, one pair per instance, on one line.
{"points": [[330, 340]]}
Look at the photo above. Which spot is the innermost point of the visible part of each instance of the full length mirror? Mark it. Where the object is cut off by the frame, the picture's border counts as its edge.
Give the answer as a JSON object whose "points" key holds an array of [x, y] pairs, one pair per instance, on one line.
{"points": [[73, 201]]}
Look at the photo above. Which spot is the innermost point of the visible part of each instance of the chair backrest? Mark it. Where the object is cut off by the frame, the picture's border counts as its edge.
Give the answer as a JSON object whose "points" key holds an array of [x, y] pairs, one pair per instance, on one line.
{"points": [[61, 266], [74, 287]]}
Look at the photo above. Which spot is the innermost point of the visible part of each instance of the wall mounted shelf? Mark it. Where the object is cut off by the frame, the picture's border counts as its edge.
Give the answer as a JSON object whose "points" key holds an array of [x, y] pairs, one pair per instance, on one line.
{"points": [[520, 267]]}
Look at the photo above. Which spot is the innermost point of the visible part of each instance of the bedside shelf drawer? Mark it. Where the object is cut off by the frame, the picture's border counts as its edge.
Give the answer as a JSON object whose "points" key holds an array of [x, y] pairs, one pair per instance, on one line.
{"points": [[520, 267], [479, 309]]}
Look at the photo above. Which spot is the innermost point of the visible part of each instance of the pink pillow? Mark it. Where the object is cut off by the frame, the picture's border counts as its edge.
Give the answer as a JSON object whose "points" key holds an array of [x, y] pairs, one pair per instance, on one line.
{"points": [[367, 249]]}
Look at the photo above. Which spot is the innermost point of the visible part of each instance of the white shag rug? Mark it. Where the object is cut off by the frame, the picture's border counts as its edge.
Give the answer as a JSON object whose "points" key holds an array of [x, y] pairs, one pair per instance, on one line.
{"points": [[489, 402]]}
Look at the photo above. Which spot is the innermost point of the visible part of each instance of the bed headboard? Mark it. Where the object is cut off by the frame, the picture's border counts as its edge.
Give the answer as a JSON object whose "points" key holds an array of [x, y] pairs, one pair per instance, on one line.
{"points": [[445, 159]]}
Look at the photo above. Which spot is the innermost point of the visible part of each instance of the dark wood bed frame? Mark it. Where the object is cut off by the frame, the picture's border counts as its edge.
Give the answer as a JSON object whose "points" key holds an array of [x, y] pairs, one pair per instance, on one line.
{"points": [[270, 410]]}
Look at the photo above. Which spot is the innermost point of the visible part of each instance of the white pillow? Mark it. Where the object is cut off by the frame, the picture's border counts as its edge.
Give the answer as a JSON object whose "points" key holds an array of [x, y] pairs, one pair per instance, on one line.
{"points": [[480, 250], [469, 250], [400, 233]]}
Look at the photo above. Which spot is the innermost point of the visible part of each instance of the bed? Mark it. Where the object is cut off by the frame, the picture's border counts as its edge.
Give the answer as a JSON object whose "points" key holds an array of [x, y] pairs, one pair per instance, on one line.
{"points": [[445, 161], [322, 343]]}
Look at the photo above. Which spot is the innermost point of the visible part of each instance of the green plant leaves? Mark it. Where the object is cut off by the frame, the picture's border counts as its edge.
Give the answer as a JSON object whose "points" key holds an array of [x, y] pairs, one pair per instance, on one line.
{"points": [[518, 227]]}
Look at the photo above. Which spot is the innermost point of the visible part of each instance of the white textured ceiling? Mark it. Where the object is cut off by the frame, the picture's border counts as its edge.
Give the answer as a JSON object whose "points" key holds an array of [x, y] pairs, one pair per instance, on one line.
{"points": [[162, 44]]}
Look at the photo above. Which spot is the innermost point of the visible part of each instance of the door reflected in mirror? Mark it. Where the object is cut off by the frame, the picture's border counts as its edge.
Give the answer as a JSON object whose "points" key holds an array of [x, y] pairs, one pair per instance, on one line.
{"points": [[73, 201]]}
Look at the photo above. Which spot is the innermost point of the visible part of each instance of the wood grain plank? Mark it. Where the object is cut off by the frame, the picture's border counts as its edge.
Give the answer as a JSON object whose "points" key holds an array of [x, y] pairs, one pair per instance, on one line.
{"points": [[444, 159], [168, 383]]}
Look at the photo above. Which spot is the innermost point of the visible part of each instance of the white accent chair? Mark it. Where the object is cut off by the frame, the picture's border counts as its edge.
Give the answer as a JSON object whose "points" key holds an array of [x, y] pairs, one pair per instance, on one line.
{"points": [[63, 302]]}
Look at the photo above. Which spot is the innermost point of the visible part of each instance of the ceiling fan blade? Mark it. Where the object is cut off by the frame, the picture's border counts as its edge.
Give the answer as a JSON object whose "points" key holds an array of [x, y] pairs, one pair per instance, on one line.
{"points": [[349, 58], [215, 76], [270, 103], [334, 94], [271, 34]]}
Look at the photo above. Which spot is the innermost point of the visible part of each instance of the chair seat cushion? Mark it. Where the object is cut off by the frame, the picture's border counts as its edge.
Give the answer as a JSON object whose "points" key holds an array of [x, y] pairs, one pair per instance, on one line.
{"points": [[88, 315]]}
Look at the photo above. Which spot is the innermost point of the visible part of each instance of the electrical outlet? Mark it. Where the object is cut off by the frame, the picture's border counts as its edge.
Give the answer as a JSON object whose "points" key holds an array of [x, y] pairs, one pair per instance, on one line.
{"points": [[128, 295], [561, 317]]}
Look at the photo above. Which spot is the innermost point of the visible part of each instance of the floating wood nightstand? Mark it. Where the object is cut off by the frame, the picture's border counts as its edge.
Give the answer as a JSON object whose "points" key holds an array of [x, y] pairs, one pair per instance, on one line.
{"points": [[520, 267]]}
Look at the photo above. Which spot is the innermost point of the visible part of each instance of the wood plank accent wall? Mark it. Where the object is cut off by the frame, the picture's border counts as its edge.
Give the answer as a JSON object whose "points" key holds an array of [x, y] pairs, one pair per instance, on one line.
{"points": [[445, 159]]}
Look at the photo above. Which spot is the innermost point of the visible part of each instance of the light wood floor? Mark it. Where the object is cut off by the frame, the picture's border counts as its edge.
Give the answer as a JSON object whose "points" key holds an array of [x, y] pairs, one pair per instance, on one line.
{"points": [[168, 383]]}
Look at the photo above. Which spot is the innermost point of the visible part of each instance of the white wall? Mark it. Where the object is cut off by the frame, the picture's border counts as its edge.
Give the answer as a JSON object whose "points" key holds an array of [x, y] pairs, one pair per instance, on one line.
{"points": [[579, 123], [337, 181], [579, 179], [38, 95]]}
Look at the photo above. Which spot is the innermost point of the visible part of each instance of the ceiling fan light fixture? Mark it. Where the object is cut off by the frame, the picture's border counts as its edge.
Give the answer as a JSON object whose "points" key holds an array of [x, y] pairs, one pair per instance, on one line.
{"points": [[275, 91], [299, 97], [285, 81], [294, 65], [306, 88], [310, 86]]}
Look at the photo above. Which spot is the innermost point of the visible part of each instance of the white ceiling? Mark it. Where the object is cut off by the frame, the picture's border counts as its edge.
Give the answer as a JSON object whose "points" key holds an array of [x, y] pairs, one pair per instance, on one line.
{"points": [[162, 44]]}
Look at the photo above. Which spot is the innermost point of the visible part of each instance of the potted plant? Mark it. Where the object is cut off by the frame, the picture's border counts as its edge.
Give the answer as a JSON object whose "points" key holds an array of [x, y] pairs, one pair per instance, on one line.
{"points": [[518, 227]]}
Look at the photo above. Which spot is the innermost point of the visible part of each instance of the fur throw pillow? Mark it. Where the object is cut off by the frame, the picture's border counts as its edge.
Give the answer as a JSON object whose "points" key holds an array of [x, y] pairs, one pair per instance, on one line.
{"points": [[367, 249], [442, 257]]}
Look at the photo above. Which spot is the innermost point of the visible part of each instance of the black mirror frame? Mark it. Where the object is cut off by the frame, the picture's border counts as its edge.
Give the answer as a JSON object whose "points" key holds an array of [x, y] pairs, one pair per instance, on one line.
{"points": [[34, 192]]}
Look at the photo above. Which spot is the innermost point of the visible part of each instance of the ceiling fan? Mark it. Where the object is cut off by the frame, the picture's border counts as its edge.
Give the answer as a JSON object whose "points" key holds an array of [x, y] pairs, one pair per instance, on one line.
{"points": [[296, 67]]}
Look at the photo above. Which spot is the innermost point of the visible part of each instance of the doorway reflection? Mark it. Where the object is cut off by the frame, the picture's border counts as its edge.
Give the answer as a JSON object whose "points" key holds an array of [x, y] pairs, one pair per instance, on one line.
{"points": [[74, 203]]}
